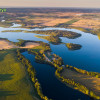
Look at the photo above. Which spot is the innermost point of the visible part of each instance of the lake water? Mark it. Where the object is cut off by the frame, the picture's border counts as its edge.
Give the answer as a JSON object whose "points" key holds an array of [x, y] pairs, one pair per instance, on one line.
{"points": [[51, 86], [88, 58]]}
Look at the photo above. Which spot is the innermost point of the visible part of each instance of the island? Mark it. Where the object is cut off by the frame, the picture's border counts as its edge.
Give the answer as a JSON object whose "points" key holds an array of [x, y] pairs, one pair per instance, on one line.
{"points": [[72, 46]]}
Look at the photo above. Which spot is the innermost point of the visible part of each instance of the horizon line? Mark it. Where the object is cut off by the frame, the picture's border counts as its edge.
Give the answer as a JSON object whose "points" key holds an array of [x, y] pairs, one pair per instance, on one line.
{"points": [[50, 7]]}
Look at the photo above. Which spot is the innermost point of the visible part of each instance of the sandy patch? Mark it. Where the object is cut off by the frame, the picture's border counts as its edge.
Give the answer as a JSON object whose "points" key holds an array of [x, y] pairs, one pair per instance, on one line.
{"points": [[30, 45], [4, 44]]}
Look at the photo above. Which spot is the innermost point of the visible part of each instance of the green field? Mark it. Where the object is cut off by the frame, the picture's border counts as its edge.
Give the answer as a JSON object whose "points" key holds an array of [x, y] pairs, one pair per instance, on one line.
{"points": [[14, 80]]}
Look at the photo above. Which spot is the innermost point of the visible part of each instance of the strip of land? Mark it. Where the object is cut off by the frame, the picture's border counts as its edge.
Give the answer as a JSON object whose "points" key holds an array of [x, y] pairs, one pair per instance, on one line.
{"points": [[92, 83], [4, 44]]}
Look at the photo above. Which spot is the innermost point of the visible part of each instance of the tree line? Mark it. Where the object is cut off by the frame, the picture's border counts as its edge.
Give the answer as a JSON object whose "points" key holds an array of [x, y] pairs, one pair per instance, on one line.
{"points": [[32, 74], [59, 33], [93, 74]]}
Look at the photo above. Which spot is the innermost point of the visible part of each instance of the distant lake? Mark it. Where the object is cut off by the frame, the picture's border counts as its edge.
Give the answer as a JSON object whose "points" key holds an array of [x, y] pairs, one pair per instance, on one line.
{"points": [[86, 58]]}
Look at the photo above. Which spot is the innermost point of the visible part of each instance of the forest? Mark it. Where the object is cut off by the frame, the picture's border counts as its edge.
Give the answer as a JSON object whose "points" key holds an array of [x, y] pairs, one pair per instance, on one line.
{"points": [[72, 46]]}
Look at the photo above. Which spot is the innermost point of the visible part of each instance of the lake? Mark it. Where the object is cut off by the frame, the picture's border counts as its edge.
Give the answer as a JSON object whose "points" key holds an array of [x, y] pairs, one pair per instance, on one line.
{"points": [[51, 86], [88, 57]]}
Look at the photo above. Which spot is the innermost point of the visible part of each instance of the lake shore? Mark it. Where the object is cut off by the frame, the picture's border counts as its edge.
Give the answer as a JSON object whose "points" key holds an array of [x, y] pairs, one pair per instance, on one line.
{"points": [[85, 83]]}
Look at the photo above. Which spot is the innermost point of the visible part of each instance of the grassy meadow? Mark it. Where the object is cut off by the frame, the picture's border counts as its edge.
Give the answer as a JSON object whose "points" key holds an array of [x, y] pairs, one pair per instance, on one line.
{"points": [[14, 80]]}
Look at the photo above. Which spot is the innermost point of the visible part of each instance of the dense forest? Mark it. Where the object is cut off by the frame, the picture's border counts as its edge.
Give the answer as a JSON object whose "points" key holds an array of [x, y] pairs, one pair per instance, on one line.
{"points": [[59, 33]]}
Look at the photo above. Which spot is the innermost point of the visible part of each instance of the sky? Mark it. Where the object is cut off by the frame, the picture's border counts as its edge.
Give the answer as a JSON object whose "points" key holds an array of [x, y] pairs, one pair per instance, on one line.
{"points": [[51, 3]]}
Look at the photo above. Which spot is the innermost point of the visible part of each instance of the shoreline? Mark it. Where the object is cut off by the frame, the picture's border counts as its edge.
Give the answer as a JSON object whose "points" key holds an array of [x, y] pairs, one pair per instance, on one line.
{"points": [[85, 86]]}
